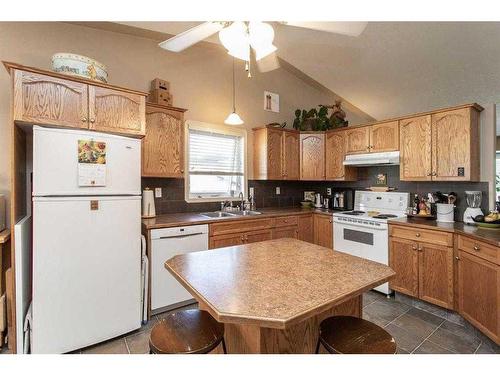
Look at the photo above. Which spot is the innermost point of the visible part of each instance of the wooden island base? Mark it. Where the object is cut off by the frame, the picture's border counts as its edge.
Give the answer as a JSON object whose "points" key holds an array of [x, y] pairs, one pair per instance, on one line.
{"points": [[300, 338]]}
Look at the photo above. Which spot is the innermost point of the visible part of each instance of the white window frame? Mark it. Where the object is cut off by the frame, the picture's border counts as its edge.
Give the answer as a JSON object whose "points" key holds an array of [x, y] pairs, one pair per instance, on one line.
{"points": [[213, 128]]}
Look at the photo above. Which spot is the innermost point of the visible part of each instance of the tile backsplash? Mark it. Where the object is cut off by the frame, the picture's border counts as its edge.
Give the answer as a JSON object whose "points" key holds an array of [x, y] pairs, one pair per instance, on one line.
{"points": [[292, 192]]}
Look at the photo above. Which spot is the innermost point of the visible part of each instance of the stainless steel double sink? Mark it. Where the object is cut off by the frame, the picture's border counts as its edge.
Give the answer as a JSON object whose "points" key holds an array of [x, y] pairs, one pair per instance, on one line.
{"points": [[221, 214]]}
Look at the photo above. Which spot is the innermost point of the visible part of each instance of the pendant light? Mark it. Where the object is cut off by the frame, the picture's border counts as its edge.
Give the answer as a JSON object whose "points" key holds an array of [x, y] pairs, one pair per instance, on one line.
{"points": [[233, 118]]}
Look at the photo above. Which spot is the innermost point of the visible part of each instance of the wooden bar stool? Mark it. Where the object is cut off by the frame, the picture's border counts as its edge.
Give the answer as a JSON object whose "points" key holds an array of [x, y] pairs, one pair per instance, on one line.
{"points": [[350, 335], [186, 332]]}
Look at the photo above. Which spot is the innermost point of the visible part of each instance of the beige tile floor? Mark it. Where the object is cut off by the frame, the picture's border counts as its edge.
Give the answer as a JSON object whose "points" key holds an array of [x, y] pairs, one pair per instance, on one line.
{"points": [[416, 331]]}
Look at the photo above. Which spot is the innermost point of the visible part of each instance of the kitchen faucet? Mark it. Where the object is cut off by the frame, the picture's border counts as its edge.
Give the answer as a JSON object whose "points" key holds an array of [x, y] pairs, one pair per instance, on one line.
{"points": [[242, 201]]}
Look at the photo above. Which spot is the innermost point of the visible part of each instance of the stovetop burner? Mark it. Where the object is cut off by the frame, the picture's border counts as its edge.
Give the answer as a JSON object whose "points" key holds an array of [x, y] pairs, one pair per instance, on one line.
{"points": [[353, 213], [384, 216]]}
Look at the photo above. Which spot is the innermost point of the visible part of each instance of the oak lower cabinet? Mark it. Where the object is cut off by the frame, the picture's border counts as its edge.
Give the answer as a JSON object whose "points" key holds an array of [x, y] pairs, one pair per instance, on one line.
{"points": [[276, 153], [163, 145], [423, 269], [442, 146], [479, 286], [240, 238], [48, 98], [312, 156], [335, 156], [323, 230], [305, 228], [116, 111], [286, 232]]}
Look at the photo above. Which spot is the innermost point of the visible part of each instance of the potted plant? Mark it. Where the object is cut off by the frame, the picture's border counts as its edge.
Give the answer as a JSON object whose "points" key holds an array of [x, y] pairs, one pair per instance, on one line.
{"points": [[318, 120]]}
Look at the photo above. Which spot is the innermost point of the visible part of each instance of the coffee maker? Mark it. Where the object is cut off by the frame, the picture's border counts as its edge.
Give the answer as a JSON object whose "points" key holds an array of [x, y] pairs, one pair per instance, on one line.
{"points": [[341, 200]]}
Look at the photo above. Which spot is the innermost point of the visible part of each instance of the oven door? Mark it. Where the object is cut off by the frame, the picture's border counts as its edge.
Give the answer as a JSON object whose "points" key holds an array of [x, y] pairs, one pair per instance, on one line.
{"points": [[364, 242]]}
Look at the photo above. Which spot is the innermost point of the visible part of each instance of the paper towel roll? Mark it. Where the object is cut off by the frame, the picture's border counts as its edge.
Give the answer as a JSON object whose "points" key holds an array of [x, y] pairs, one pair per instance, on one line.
{"points": [[148, 204]]}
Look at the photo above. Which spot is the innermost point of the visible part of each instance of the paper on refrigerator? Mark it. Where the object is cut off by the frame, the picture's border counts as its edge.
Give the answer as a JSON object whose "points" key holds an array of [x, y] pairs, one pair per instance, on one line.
{"points": [[91, 163]]}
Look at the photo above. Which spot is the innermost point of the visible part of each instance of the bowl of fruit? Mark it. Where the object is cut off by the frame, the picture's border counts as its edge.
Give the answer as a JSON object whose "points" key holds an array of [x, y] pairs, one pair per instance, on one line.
{"points": [[492, 220]]}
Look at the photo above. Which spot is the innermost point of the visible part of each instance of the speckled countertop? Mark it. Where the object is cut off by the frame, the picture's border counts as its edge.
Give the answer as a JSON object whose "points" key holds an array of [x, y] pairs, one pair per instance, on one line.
{"points": [[491, 236], [191, 218], [274, 283]]}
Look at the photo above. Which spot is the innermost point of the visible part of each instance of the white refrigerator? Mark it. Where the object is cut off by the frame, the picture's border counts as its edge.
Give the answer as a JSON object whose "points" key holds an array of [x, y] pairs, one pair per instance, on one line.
{"points": [[86, 238]]}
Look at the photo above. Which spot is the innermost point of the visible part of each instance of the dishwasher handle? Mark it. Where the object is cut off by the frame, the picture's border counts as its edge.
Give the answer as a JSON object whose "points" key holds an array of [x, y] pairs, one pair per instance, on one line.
{"points": [[179, 236]]}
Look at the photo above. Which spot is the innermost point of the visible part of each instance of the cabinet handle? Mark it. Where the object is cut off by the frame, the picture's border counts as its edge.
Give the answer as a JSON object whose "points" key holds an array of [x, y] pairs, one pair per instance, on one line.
{"points": [[92, 120], [246, 237], [429, 174], [182, 170], [434, 174], [476, 247], [84, 119], [420, 248], [414, 247], [417, 235], [330, 221], [457, 258], [242, 238]]}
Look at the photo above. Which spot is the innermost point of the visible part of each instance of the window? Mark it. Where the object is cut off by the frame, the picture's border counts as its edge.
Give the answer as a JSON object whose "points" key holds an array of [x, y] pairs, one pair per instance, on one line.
{"points": [[216, 163]]}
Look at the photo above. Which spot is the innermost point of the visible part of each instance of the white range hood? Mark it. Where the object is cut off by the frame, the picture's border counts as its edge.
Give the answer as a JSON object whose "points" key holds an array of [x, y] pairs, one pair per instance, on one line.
{"points": [[377, 158]]}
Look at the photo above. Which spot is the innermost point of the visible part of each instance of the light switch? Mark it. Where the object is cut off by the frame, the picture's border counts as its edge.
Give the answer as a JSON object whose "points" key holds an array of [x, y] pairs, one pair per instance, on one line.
{"points": [[278, 191], [157, 192]]}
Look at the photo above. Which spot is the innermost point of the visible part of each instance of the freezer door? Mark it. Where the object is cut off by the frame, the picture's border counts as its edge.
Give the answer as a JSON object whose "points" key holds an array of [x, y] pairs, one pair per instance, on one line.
{"points": [[86, 271], [55, 163]]}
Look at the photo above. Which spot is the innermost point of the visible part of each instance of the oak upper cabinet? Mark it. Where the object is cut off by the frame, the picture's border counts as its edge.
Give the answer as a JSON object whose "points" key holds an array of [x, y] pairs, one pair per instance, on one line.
{"points": [[442, 146], [384, 137], [455, 145], [334, 157], [116, 111], [276, 154], [46, 100], [163, 145], [312, 156], [415, 149], [403, 259], [357, 140], [323, 230]]}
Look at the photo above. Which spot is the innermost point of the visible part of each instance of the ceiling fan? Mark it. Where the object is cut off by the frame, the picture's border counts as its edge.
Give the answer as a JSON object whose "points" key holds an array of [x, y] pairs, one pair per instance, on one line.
{"points": [[244, 40]]}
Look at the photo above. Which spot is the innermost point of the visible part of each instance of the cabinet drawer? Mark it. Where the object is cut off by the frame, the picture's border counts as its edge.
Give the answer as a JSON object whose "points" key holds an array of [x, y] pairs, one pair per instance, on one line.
{"points": [[239, 226], [285, 221], [423, 235], [479, 249]]}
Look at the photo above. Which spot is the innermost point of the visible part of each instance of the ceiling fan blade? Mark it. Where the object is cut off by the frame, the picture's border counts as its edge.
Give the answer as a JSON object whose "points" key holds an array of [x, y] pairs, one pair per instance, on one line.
{"points": [[268, 63], [344, 28], [192, 36]]}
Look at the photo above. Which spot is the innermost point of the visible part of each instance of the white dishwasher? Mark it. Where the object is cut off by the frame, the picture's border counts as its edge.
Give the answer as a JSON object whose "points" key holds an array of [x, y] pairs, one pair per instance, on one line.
{"points": [[166, 291]]}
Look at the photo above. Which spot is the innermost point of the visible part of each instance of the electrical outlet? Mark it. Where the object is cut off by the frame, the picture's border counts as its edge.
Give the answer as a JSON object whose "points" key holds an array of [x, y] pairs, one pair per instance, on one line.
{"points": [[328, 191], [251, 191], [157, 192], [278, 190]]}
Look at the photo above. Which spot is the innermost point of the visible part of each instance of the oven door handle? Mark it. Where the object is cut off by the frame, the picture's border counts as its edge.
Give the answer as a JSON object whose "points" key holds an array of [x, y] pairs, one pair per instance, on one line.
{"points": [[360, 226]]}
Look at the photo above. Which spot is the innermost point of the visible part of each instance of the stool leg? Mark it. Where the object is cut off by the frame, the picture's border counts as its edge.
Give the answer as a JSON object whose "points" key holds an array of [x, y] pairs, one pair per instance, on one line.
{"points": [[317, 347], [224, 346]]}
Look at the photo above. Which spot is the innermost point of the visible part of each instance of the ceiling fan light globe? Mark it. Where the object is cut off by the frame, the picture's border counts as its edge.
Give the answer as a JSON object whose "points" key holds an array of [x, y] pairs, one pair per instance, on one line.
{"points": [[235, 39], [240, 53], [260, 33], [233, 119], [264, 51]]}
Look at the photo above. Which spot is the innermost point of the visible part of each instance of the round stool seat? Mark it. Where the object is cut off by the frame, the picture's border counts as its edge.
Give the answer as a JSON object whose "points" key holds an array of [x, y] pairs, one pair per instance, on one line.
{"points": [[186, 332], [351, 335]]}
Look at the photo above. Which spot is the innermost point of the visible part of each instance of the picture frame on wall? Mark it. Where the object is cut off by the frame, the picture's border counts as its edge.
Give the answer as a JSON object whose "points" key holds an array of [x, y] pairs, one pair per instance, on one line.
{"points": [[271, 101]]}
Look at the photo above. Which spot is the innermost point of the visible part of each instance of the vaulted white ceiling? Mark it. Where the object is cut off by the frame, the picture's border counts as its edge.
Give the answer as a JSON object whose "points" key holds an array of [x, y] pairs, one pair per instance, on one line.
{"points": [[393, 68]]}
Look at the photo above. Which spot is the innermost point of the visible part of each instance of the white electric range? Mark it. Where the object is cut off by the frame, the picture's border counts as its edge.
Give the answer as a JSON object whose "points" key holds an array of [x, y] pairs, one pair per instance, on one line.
{"points": [[364, 232]]}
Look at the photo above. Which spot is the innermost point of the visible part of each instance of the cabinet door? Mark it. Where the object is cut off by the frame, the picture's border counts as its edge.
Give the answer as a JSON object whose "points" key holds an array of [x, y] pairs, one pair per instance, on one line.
{"points": [[415, 149], [312, 156], [479, 293], [357, 140], [162, 147], [286, 232], [323, 231], [275, 154], [116, 111], [291, 157], [403, 259], [257, 236], [451, 146], [334, 158], [305, 227], [435, 274], [384, 137], [41, 99], [227, 240]]}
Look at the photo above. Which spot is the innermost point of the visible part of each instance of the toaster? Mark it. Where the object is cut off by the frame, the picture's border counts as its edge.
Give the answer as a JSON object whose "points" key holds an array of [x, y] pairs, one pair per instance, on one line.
{"points": [[2, 212]]}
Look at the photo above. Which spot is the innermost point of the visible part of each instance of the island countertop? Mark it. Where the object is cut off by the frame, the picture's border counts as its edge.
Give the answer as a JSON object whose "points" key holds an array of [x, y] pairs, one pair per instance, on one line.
{"points": [[274, 283]]}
